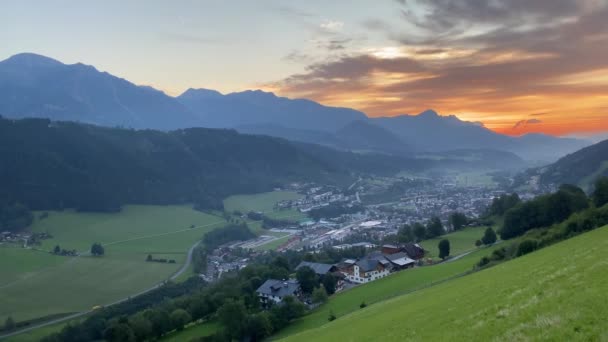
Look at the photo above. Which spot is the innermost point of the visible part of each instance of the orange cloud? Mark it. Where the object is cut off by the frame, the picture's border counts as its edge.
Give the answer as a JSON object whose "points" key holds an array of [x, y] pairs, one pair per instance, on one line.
{"points": [[554, 64]]}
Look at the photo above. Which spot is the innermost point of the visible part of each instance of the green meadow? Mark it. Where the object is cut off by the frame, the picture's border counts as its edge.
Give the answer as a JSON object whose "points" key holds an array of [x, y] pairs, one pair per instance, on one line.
{"points": [[461, 241], [264, 202], [555, 294], [34, 283]]}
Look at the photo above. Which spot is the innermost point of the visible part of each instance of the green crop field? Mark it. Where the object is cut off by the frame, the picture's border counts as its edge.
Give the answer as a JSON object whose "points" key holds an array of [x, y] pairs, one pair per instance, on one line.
{"points": [[394, 285], [35, 283], [460, 242], [555, 294]]}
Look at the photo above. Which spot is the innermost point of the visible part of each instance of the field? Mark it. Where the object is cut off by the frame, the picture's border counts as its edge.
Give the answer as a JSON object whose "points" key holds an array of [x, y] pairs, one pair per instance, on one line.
{"points": [[264, 202], [34, 283], [394, 285], [557, 293], [460, 242]]}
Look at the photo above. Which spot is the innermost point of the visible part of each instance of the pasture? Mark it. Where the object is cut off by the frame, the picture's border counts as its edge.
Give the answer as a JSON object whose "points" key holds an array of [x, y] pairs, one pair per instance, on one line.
{"points": [[34, 283], [461, 241], [556, 293]]}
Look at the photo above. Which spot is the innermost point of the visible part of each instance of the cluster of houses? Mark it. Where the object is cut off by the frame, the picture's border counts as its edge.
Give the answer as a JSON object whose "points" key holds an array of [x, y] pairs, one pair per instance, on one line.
{"points": [[374, 266]]}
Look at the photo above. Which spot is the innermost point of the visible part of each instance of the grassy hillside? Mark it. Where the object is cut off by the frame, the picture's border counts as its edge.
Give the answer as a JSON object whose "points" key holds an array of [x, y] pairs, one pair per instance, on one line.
{"points": [[394, 285], [557, 293], [34, 283]]}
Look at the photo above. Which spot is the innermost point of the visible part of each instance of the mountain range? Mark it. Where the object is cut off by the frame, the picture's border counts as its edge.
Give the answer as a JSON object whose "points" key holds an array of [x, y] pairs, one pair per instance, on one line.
{"points": [[37, 86]]}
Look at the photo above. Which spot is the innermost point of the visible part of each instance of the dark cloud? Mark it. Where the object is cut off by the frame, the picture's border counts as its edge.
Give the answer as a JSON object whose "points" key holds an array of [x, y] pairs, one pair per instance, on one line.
{"points": [[431, 51], [446, 15], [505, 62], [523, 123]]}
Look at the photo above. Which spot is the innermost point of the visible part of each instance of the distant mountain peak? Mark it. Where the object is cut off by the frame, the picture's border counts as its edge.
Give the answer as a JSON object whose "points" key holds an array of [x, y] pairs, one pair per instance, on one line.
{"points": [[429, 113], [31, 60], [200, 92]]}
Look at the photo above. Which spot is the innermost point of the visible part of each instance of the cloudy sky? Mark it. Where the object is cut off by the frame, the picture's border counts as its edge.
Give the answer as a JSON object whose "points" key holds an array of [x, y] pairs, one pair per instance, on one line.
{"points": [[516, 66]]}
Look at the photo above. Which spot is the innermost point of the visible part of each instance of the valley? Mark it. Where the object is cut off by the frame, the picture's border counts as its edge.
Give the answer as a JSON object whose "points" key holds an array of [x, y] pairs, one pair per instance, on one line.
{"points": [[36, 283]]}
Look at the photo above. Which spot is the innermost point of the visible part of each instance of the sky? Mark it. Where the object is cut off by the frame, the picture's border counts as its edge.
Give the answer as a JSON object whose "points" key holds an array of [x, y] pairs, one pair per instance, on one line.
{"points": [[516, 66]]}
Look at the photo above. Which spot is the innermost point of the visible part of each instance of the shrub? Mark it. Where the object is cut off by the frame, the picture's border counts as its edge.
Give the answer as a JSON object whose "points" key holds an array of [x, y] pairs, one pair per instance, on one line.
{"points": [[527, 246]]}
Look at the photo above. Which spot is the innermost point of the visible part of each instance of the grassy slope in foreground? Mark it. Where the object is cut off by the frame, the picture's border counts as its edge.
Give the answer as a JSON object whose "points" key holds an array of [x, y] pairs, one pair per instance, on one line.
{"points": [[394, 285], [557, 293], [45, 284]]}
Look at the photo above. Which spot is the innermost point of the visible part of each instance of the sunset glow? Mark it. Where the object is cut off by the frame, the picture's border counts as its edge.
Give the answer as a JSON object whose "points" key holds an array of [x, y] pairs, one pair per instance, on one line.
{"points": [[515, 66]]}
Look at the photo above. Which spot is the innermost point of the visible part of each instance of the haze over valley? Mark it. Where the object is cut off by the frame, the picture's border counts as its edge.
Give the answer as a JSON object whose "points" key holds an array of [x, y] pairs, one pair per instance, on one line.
{"points": [[303, 171]]}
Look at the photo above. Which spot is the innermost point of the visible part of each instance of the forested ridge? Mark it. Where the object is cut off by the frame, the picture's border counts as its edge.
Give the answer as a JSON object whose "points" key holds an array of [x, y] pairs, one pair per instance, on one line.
{"points": [[56, 165]]}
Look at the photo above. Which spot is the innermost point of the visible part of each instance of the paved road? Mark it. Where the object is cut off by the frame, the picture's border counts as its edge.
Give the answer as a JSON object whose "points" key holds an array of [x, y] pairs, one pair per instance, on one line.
{"points": [[83, 313]]}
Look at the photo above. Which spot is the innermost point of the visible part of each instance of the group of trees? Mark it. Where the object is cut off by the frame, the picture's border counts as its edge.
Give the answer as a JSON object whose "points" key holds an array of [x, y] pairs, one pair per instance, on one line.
{"points": [[228, 233], [64, 252], [559, 228], [335, 210], [543, 211], [310, 283], [500, 205], [150, 258], [458, 221], [418, 231]]}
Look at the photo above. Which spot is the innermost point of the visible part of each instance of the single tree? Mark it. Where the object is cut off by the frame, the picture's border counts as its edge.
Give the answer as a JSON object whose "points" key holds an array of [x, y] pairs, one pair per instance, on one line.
{"points": [[149, 258], [179, 318], [319, 295], [434, 228], [419, 231], [307, 279], [406, 234], [141, 326], [329, 283], [458, 220], [232, 316], [444, 248], [257, 326], [119, 332], [97, 249], [489, 237], [57, 249], [478, 243]]}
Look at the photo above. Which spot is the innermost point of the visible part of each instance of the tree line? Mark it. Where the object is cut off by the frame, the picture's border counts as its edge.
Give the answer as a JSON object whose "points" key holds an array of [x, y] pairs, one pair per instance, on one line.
{"points": [[550, 219], [57, 165]]}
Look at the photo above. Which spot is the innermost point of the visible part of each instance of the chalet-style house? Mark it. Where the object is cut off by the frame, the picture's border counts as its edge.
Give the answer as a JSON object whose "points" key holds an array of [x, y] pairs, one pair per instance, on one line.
{"points": [[413, 250], [320, 269], [274, 291], [365, 270]]}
